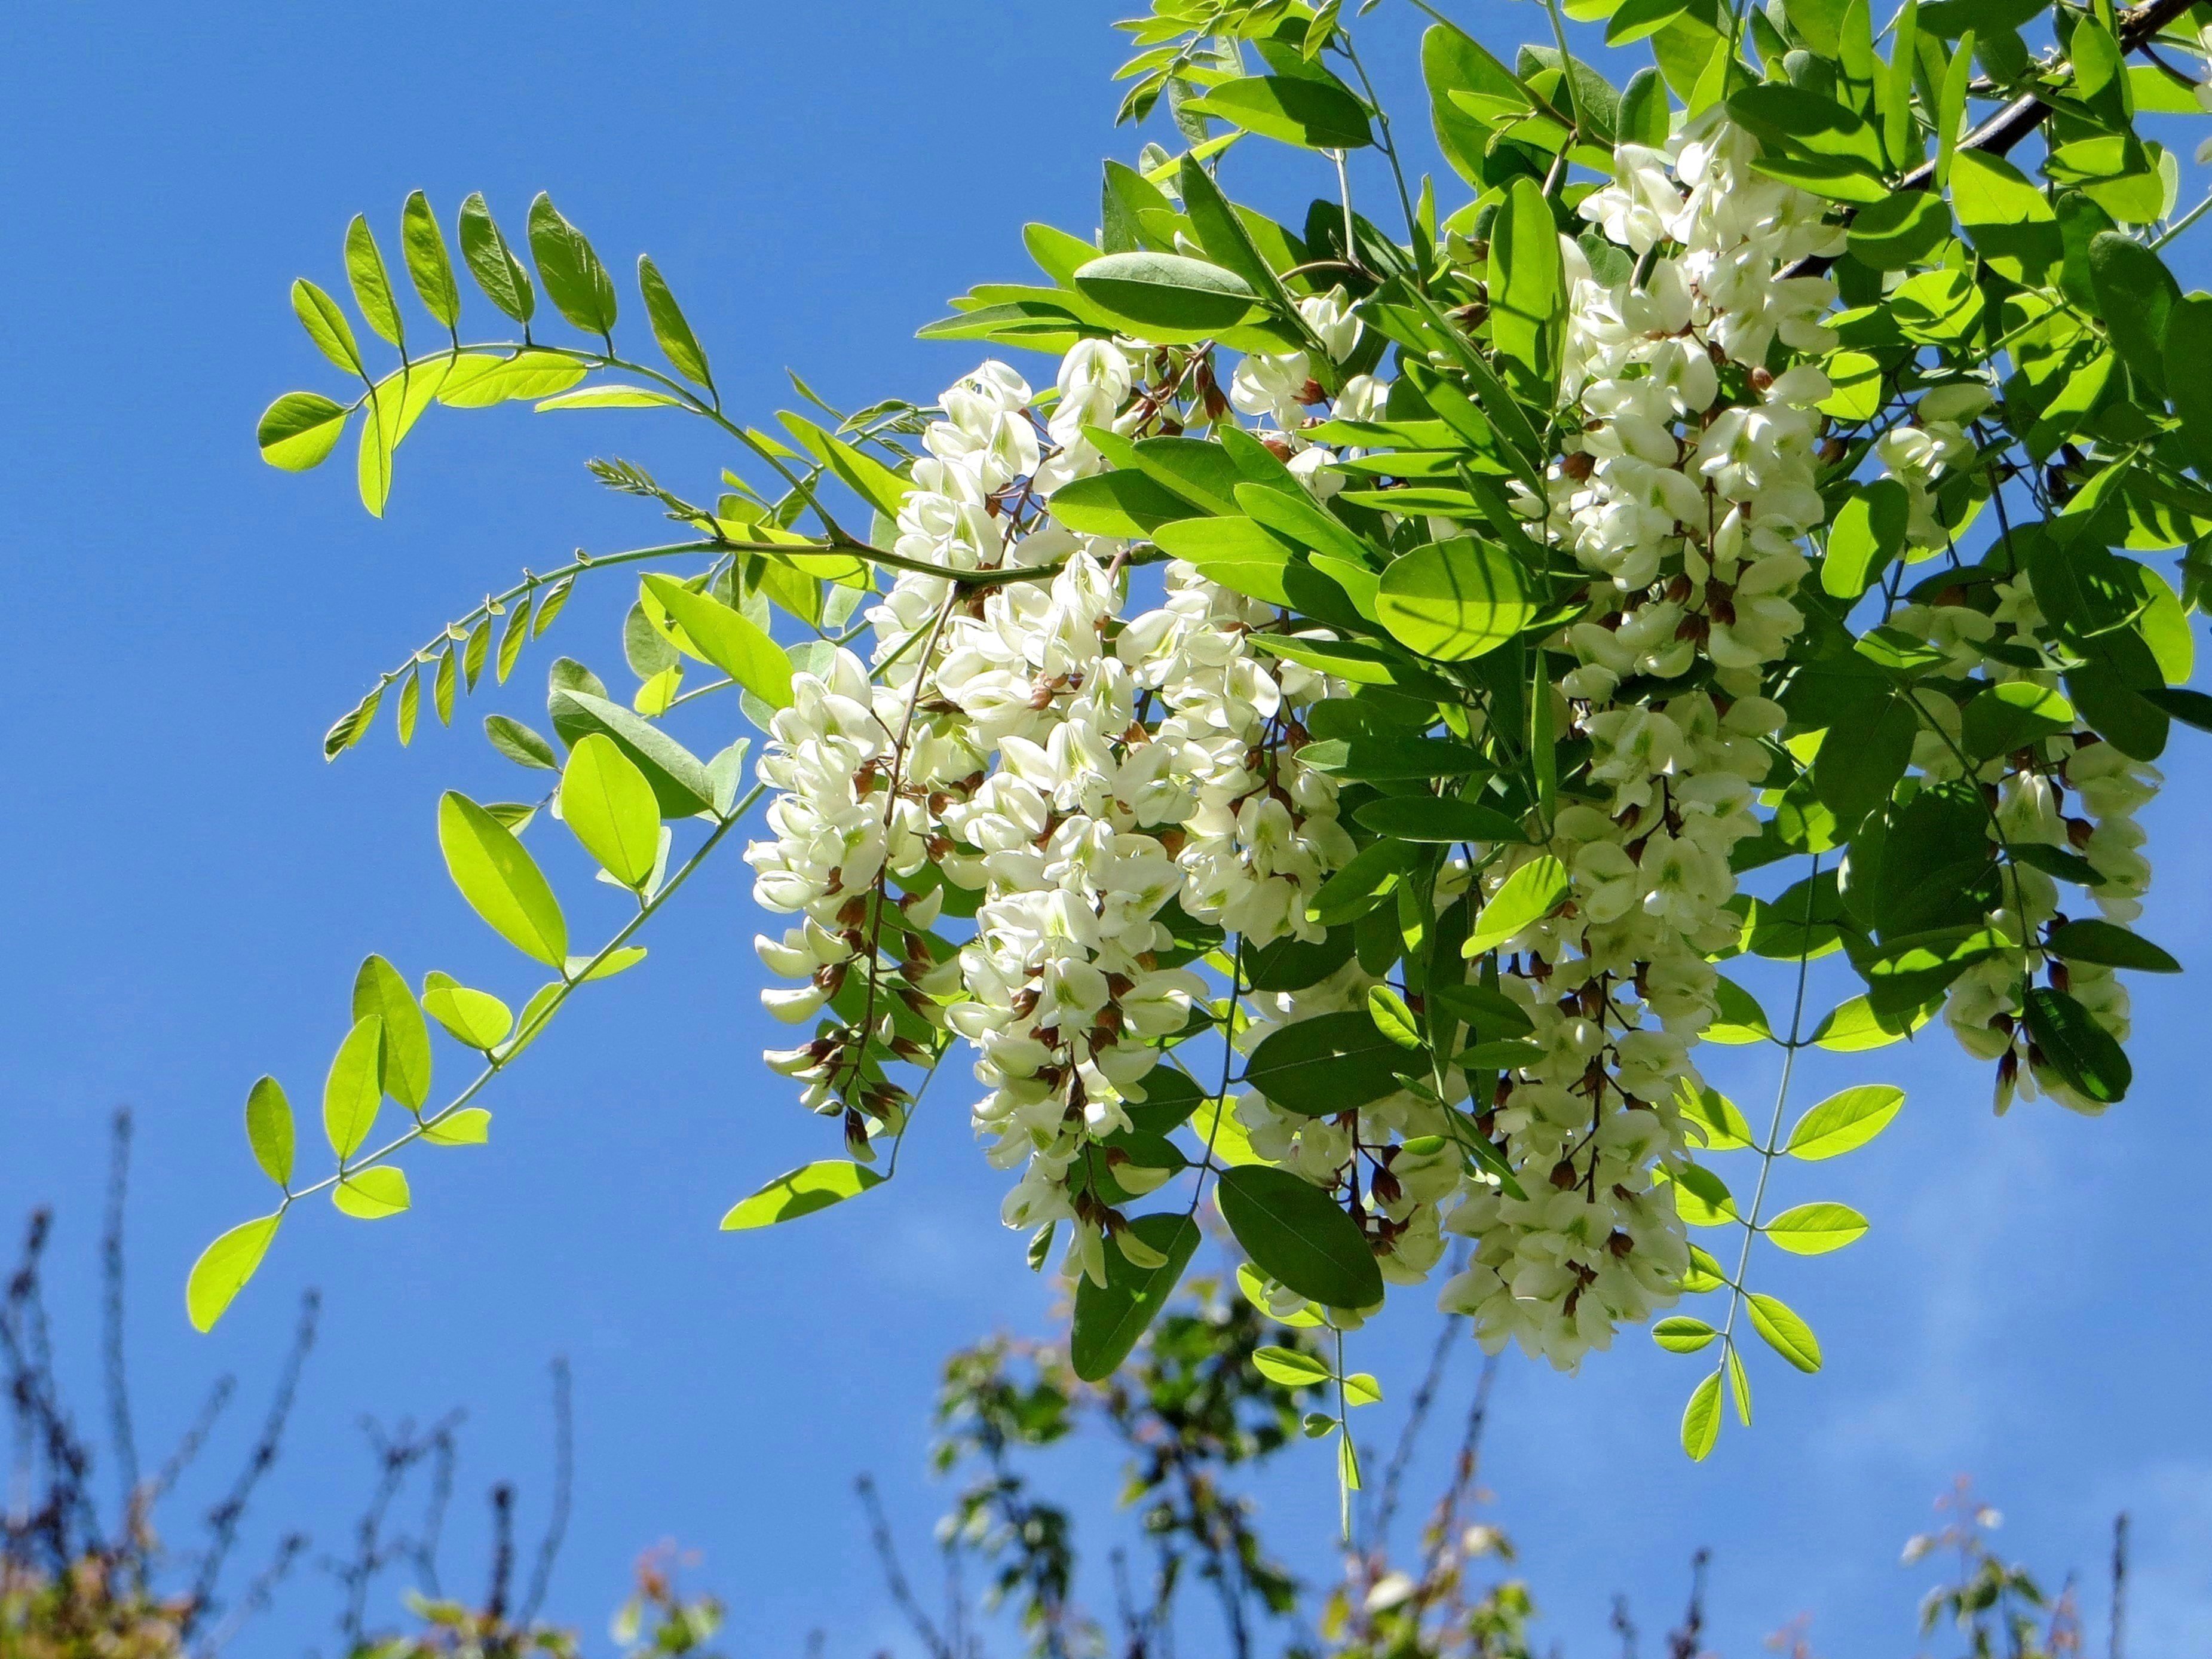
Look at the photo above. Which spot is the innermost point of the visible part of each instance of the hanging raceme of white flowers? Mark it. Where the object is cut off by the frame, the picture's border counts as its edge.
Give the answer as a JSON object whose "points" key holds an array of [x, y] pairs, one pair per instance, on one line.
{"points": [[1084, 768], [1310, 756]]}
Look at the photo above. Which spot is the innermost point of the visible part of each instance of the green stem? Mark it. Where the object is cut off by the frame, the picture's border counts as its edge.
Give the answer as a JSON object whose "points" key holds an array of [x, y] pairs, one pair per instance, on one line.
{"points": [[569, 983], [1767, 1150]]}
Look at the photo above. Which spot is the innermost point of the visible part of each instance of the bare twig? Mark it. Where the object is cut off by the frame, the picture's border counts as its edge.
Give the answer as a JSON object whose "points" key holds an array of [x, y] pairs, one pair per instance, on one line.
{"points": [[879, 1534], [111, 1263], [223, 1519], [2120, 1585], [564, 1471]]}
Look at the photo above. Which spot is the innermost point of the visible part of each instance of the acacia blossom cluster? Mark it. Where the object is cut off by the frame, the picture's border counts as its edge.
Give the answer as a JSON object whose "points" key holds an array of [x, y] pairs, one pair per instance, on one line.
{"points": [[1034, 779], [2071, 791], [1092, 774], [1686, 496]]}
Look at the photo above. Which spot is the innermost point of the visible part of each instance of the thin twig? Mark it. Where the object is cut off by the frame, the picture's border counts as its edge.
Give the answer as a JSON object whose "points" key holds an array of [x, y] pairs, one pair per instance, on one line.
{"points": [[564, 1473]]}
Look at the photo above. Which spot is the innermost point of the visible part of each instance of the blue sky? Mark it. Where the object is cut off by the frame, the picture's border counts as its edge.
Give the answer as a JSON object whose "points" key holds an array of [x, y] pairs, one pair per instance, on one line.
{"points": [[192, 885]]}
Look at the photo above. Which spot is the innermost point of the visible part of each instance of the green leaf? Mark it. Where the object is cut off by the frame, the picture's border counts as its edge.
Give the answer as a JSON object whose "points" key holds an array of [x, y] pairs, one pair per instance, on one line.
{"points": [[1527, 280], [326, 326], [1900, 231], [2110, 944], [1868, 531], [862, 473], [1437, 818], [1226, 240], [1295, 1233], [300, 429], [1644, 118], [1741, 1019], [1702, 1199], [1317, 114], [1530, 893], [670, 327], [1109, 1319], [1324, 1065], [1388, 755], [800, 1191], [1807, 123], [269, 1130], [429, 267], [1133, 506], [1844, 1121], [1701, 1420], [351, 1093], [492, 262], [470, 1126], [1852, 777], [372, 283], [2136, 295], [2189, 355], [1855, 1026], [1636, 19], [1682, 1335], [2072, 1044], [2011, 716], [1360, 1389], [223, 1268], [1455, 600], [679, 778], [1166, 297], [1816, 1229], [501, 881], [1785, 1333], [519, 743], [1291, 1368], [1716, 1117], [725, 638], [480, 380], [403, 1063], [609, 806], [608, 396], [1303, 520], [2005, 216], [373, 1195], [476, 1018], [576, 282], [1393, 1017]]}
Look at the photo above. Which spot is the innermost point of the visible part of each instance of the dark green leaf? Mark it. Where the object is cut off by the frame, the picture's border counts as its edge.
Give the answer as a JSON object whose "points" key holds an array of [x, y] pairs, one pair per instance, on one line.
{"points": [[1108, 1320], [2136, 295], [1296, 1234], [1326, 1064], [2111, 946], [1166, 296], [1435, 818], [2074, 1045]]}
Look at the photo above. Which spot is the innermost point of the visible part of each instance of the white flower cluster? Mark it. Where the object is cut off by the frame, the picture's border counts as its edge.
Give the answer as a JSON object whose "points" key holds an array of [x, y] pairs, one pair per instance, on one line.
{"points": [[2028, 789], [1095, 776], [1686, 496]]}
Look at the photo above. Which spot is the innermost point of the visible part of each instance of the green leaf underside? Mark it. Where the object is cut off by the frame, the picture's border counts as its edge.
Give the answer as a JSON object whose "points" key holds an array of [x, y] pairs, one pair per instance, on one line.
{"points": [[1296, 1234], [800, 1191], [1109, 1319]]}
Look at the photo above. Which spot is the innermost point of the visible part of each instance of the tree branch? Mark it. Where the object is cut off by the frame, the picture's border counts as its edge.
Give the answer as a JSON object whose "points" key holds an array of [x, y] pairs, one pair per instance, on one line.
{"points": [[2004, 130]]}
